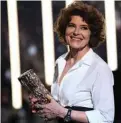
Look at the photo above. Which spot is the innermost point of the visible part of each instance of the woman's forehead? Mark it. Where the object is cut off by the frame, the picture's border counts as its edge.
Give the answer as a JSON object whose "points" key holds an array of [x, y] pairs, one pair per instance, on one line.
{"points": [[77, 19]]}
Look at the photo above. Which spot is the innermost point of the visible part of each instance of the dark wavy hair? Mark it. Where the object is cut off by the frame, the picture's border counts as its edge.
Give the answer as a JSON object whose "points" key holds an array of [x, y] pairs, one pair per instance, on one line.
{"points": [[90, 15]]}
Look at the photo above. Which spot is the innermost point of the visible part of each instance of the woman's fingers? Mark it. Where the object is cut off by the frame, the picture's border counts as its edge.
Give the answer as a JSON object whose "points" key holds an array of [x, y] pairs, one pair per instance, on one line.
{"points": [[34, 111], [33, 99], [33, 102], [38, 106]]}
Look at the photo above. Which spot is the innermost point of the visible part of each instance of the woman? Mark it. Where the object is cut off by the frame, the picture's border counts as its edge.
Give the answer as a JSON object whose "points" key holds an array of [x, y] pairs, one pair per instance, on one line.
{"points": [[83, 83]]}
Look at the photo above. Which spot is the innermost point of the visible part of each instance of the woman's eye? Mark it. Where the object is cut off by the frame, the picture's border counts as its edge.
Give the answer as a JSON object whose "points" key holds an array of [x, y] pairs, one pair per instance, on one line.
{"points": [[70, 25], [84, 28]]}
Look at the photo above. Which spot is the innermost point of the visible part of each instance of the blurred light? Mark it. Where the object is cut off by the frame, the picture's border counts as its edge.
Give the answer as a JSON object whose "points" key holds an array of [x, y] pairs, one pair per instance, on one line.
{"points": [[48, 40], [32, 50], [7, 74], [111, 34], [69, 2], [14, 53], [118, 20]]}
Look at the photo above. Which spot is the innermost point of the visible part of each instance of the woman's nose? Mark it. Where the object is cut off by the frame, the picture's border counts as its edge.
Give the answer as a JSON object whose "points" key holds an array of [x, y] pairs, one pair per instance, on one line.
{"points": [[76, 31]]}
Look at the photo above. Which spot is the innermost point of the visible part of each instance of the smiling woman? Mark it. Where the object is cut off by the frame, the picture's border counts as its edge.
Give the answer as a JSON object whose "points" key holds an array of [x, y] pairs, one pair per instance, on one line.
{"points": [[82, 89], [89, 14]]}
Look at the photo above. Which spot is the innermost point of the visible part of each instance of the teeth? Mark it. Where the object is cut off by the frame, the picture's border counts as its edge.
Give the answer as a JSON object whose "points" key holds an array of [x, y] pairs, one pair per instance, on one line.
{"points": [[76, 39]]}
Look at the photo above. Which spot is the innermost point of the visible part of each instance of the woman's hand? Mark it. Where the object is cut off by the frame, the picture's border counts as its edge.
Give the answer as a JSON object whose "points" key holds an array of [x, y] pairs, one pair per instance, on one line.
{"points": [[33, 102], [52, 110], [48, 111]]}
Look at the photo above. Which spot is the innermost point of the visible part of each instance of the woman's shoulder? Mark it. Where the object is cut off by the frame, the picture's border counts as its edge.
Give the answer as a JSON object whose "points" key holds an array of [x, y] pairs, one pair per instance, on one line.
{"points": [[103, 70], [102, 65]]}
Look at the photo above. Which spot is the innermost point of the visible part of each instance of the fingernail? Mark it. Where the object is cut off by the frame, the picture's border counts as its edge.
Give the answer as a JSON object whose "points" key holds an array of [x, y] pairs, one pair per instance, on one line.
{"points": [[33, 111]]}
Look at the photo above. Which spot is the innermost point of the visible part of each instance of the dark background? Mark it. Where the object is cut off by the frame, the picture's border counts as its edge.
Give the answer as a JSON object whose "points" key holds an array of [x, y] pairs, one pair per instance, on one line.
{"points": [[31, 55]]}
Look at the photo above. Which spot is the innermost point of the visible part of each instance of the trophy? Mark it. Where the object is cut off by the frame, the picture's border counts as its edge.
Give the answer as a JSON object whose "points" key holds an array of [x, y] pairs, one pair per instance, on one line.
{"points": [[31, 82]]}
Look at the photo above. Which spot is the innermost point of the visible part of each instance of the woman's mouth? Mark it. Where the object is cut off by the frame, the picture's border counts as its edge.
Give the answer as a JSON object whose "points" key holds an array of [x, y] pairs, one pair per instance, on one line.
{"points": [[76, 38]]}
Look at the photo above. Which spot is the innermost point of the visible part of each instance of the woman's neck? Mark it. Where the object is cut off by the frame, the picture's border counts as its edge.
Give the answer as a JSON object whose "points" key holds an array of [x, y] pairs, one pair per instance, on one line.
{"points": [[75, 55]]}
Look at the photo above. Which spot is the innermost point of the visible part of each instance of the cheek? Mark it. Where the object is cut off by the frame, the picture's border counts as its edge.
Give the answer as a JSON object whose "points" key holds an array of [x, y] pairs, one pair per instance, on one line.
{"points": [[67, 34], [88, 35], [66, 38], [69, 31]]}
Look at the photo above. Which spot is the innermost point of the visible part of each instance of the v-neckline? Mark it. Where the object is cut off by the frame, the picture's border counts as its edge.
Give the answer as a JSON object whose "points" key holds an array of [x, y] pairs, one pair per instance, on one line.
{"points": [[62, 75], [60, 78]]}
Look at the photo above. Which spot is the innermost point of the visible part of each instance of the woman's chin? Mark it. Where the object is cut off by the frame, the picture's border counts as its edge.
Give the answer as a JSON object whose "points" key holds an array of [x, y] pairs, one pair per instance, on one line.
{"points": [[75, 47]]}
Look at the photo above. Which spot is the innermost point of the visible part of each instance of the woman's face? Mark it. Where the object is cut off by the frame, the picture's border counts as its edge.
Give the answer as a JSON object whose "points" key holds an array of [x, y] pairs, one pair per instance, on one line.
{"points": [[77, 33]]}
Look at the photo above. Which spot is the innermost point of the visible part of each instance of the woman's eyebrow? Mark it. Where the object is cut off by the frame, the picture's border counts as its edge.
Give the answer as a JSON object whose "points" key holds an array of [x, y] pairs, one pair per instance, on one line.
{"points": [[71, 23], [80, 25], [84, 25]]}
